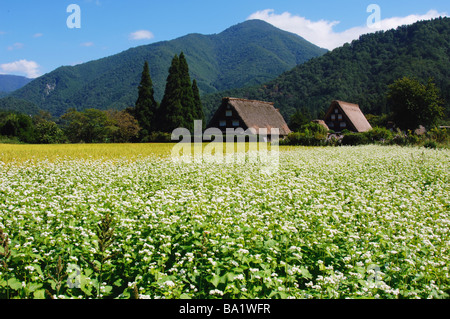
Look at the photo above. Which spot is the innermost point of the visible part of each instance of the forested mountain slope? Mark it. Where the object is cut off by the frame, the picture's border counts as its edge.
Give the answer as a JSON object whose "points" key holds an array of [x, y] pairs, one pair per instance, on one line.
{"points": [[359, 72]]}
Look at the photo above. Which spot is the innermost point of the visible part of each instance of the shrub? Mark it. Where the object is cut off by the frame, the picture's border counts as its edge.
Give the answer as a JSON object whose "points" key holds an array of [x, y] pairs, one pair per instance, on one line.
{"points": [[355, 139], [440, 135], [430, 144], [315, 129], [158, 137], [304, 139], [378, 134], [403, 139]]}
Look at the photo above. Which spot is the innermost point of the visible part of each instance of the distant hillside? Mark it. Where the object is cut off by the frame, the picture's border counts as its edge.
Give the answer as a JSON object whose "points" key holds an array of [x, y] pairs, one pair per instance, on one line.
{"points": [[249, 53], [10, 83], [359, 72], [17, 105]]}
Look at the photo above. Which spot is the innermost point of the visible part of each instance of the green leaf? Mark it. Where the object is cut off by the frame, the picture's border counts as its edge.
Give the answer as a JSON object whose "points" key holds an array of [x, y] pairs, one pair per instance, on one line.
{"points": [[107, 289], [33, 287], [216, 280], [14, 284], [38, 269], [39, 294], [305, 273]]}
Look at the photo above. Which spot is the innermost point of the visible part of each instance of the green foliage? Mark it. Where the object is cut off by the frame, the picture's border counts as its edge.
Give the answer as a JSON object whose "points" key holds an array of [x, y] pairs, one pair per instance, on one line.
{"points": [[383, 120], [18, 125], [97, 126], [355, 139], [12, 104], [159, 137], [440, 135], [122, 126], [430, 144], [311, 134], [314, 129], [299, 119], [378, 134], [88, 126], [46, 130], [414, 104]]}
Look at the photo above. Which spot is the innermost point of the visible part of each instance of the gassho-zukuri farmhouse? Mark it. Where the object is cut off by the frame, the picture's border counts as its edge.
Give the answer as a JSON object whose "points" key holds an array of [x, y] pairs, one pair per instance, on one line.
{"points": [[236, 113]]}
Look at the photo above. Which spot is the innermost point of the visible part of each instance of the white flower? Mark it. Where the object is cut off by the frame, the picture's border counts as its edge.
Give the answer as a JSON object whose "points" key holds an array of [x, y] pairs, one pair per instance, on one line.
{"points": [[239, 277], [169, 283]]}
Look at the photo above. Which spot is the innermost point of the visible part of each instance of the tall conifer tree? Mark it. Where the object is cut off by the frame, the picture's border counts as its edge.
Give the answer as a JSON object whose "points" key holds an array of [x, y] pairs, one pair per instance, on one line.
{"points": [[171, 111], [180, 106], [146, 106], [198, 111], [186, 94]]}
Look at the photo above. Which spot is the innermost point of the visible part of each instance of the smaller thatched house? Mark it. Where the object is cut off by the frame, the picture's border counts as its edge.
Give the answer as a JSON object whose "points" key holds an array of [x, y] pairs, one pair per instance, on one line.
{"points": [[343, 115], [236, 113]]}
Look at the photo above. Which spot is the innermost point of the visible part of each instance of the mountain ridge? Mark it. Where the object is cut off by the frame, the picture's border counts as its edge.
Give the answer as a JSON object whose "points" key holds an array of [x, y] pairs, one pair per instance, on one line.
{"points": [[10, 83], [249, 53]]}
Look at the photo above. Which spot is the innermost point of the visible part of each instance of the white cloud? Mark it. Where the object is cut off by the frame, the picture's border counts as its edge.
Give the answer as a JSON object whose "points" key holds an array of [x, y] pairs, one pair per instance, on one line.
{"points": [[15, 46], [29, 68], [87, 44], [141, 35], [322, 33], [37, 35]]}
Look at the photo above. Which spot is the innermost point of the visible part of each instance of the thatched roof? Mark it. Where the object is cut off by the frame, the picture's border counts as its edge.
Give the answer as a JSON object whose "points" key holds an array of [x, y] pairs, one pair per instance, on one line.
{"points": [[258, 115], [353, 114]]}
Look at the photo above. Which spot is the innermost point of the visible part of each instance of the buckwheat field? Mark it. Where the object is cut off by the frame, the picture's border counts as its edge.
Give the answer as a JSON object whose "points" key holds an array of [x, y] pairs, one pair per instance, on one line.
{"points": [[345, 222]]}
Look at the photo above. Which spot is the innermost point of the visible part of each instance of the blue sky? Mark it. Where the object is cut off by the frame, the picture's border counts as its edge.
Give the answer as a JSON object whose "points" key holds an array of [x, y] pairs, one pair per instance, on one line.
{"points": [[35, 37]]}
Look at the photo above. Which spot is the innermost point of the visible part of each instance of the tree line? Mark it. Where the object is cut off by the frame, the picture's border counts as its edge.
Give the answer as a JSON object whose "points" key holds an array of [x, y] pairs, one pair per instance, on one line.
{"points": [[146, 121]]}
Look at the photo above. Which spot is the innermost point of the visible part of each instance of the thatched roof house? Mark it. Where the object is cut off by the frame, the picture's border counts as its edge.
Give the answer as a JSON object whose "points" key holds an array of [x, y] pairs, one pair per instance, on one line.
{"points": [[343, 115], [239, 113]]}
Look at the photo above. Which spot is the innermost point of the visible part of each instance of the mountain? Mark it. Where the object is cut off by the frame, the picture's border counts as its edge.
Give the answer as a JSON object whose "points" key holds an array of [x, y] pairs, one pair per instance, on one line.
{"points": [[250, 53], [359, 72], [10, 83]]}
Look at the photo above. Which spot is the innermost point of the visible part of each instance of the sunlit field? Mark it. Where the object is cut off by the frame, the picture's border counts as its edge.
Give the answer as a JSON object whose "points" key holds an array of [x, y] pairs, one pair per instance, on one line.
{"points": [[24, 152], [125, 221], [19, 153]]}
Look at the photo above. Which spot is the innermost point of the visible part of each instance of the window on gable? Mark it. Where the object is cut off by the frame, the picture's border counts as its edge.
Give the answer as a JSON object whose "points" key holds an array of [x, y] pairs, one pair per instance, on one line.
{"points": [[229, 113], [235, 123], [223, 123]]}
